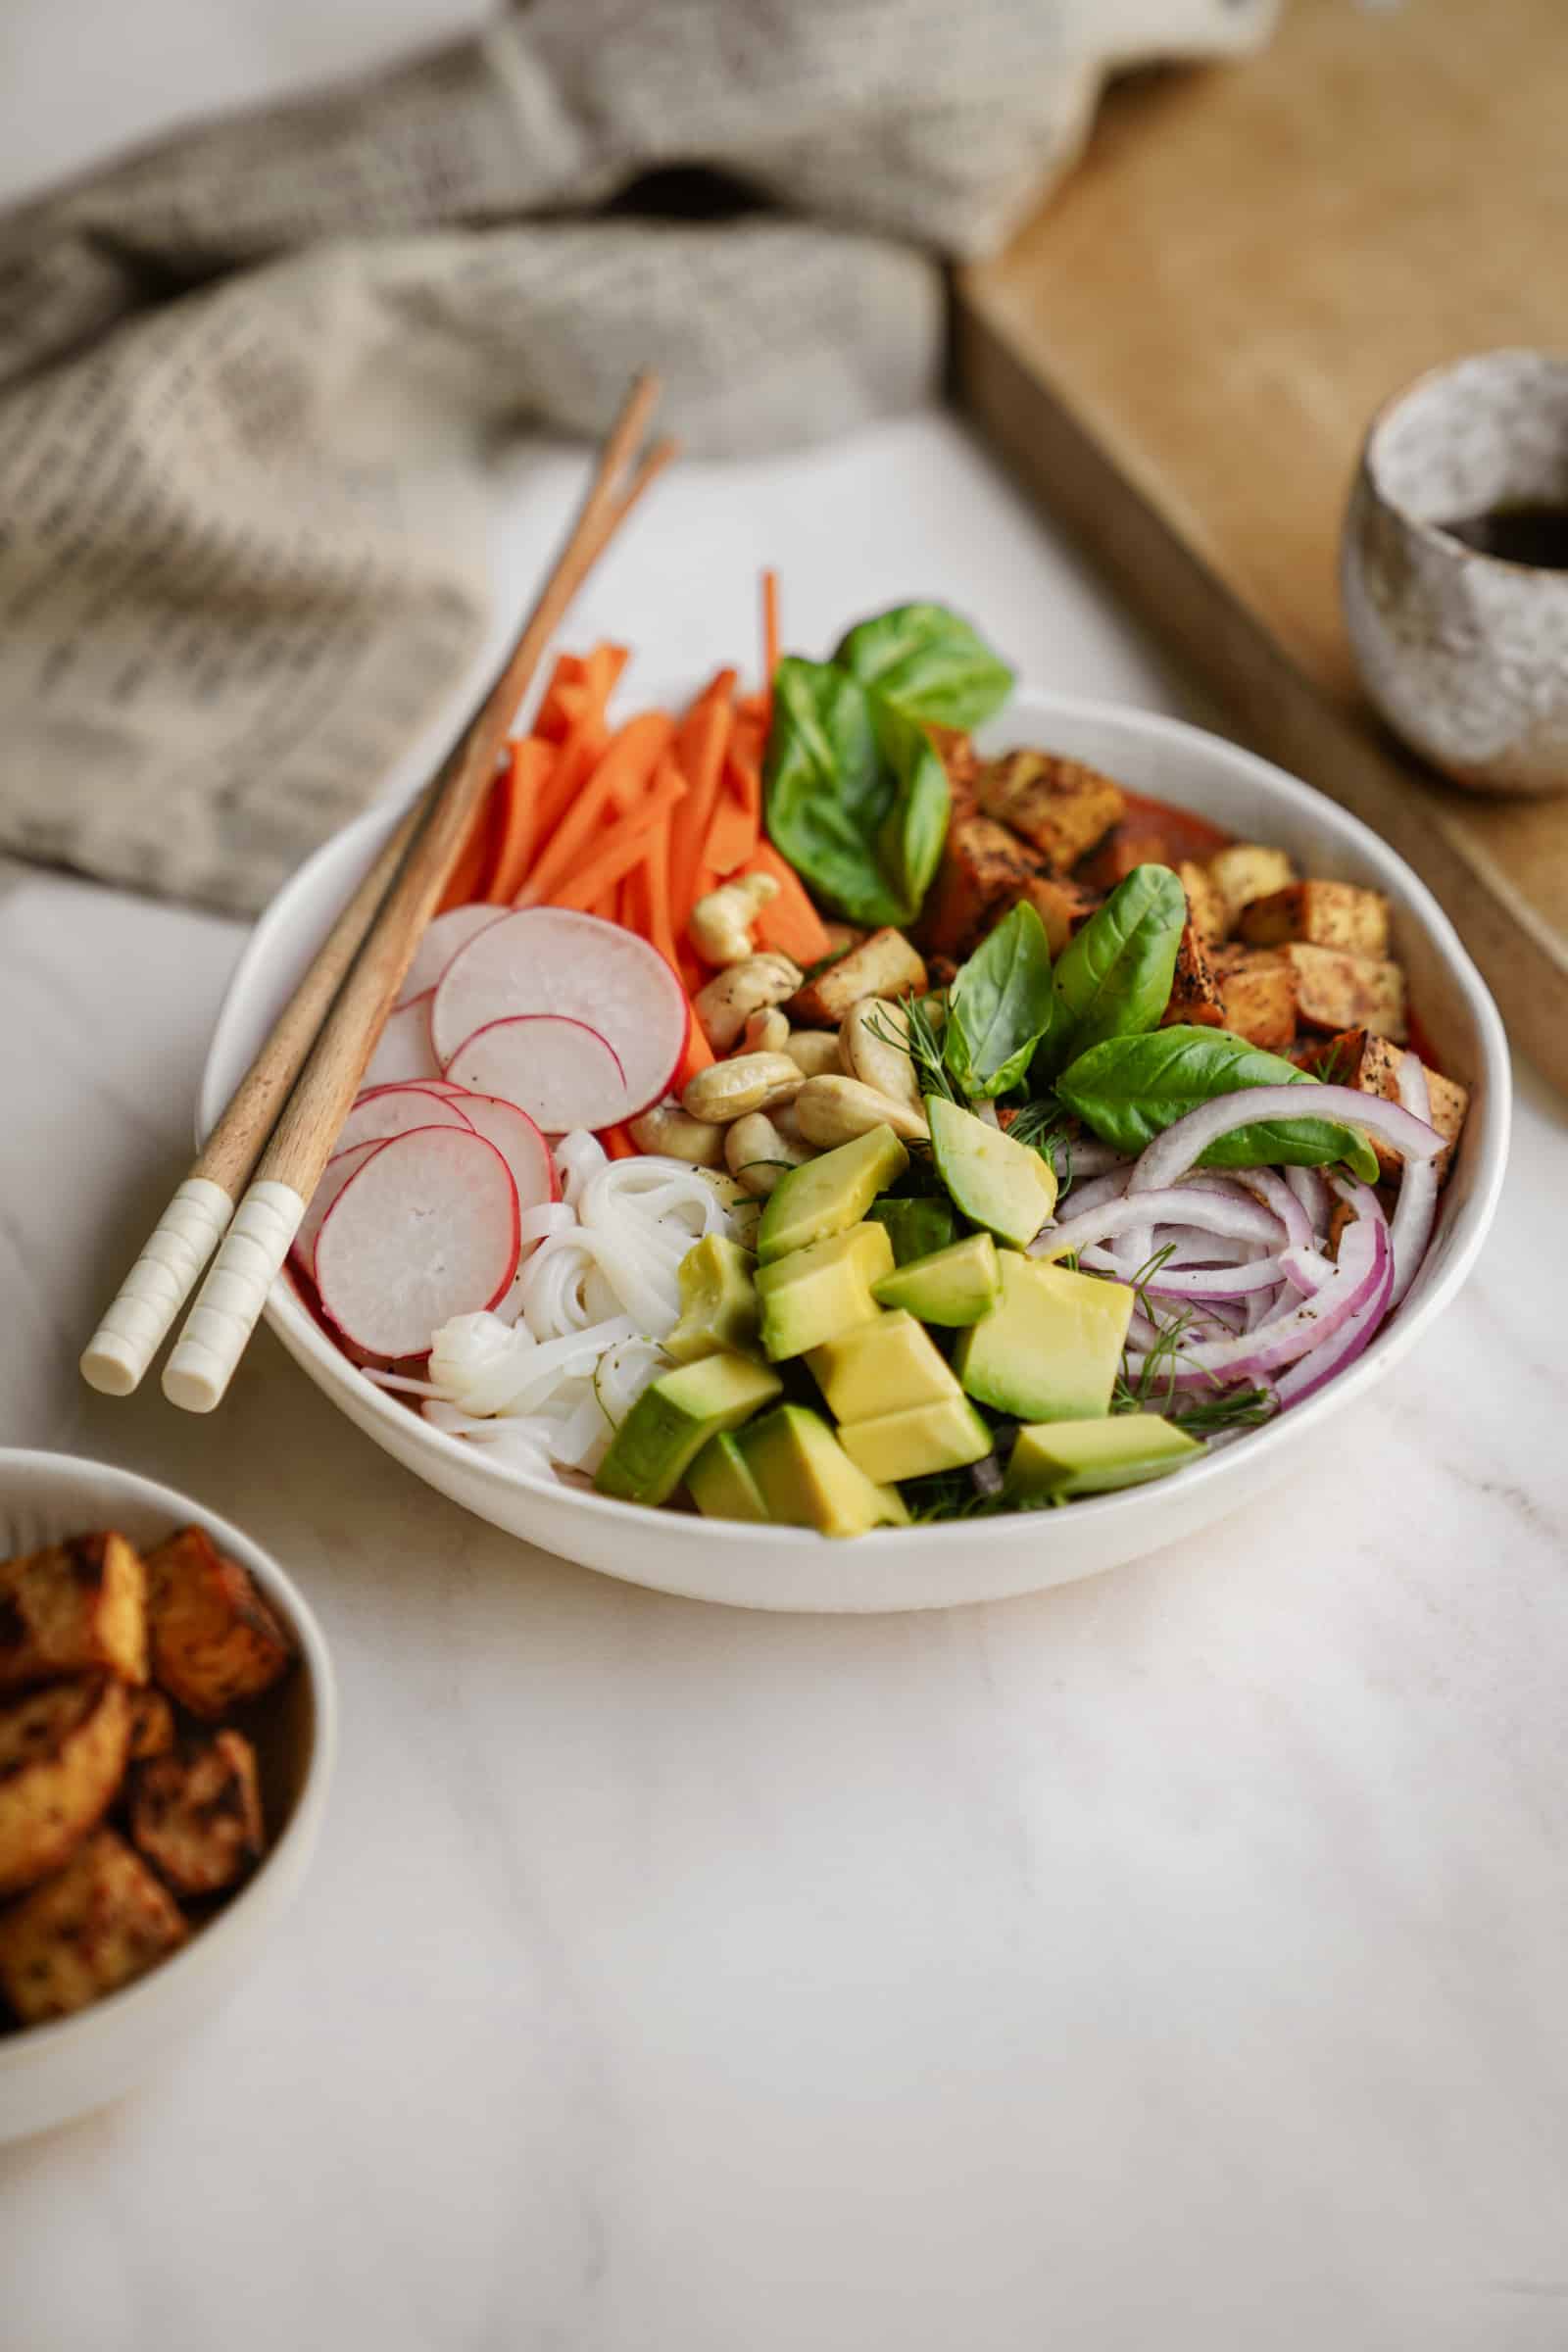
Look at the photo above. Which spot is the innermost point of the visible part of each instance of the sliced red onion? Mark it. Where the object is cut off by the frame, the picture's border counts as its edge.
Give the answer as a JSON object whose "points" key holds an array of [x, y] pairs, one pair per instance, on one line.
{"points": [[1306, 1376], [1252, 1356], [1417, 1209], [1313, 1195], [1170, 1155], [1084, 1196], [1238, 1220], [1264, 1274], [1276, 1193], [1093, 1158]]}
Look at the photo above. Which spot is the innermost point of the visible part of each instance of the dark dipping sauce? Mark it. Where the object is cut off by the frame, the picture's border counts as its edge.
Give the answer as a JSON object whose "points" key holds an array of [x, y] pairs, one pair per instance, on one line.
{"points": [[1523, 534]]}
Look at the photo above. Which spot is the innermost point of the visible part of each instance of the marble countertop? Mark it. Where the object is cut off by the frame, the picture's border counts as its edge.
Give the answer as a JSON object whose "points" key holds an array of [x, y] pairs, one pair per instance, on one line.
{"points": [[1176, 1958]]}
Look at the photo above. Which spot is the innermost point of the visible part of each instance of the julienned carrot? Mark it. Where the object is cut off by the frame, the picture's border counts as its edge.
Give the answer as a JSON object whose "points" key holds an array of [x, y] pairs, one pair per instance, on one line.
{"points": [[789, 922], [696, 1057], [519, 794], [597, 671], [467, 875], [617, 1143], [631, 756], [769, 632], [652, 892], [737, 822], [624, 847], [700, 746]]}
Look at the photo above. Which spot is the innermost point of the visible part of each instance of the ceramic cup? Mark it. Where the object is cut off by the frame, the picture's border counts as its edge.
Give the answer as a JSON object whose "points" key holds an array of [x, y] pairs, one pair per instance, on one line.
{"points": [[1465, 655]]}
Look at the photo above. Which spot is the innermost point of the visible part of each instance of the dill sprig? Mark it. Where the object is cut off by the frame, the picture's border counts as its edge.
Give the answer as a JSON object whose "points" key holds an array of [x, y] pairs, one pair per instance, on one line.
{"points": [[922, 1042], [1043, 1126], [1153, 1389]]}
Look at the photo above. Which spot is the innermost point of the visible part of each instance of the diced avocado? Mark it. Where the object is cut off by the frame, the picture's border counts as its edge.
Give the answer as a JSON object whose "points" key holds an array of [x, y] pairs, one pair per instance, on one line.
{"points": [[720, 1482], [881, 1367], [815, 1294], [914, 1227], [953, 1287], [825, 1195], [1049, 1348], [717, 1302], [995, 1182], [674, 1419], [808, 1479], [1091, 1458], [942, 1436]]}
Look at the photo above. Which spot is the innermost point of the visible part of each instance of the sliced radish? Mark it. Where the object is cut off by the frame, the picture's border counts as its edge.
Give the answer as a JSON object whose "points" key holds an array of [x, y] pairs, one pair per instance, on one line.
{"points": [[442, 937], [426, 1229], [520, 1143], [403, 1049], [426, 1086], [550, 960], [334, 1176], [561, 1073], [394, 1109]]}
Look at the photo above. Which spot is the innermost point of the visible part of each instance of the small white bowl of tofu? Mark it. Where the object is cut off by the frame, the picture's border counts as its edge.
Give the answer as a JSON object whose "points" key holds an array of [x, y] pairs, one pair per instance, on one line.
{"points": [[167, 1722]]}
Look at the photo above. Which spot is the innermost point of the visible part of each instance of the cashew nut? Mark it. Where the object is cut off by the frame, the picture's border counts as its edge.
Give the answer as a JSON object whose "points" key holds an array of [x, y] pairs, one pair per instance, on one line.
{"points": [[864, 1036], [728, 1090], [835, 1110], [721, 924], [667, 1129], [784, 1120], [765, 1032], [727, 1001], [759, 1155], [816, 1051]]}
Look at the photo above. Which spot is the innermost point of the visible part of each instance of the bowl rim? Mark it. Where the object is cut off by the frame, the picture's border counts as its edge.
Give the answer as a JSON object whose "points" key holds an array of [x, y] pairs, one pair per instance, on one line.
{"points": [[288, 1316], [1371, 463], [285, 1858]]}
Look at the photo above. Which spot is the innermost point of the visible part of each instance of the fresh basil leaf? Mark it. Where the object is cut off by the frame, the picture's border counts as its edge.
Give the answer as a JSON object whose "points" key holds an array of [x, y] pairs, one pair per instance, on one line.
{"points": [[1130, 1089], [857, 797], [929, 663], [1113, 979], [999, 1006]]}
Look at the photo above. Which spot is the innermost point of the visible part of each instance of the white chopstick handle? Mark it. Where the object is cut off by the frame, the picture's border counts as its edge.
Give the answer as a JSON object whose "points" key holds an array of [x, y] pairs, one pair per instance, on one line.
{"points": [[229, 1304], [157, 1287]]}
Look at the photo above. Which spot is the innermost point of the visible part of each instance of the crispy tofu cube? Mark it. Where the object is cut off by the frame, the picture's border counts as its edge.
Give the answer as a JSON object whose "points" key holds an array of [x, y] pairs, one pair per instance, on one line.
{"points": [[1244, 871], [984, 870], [196, 1813], [1257, 996], [1061, 807], [1323, 914], [1195, 989], [80, 1607], [1371, 1065], [1130, 846], [152, 1725], [98, 1924], [883, 965], [215, 1641], [957, 755], [1204, 904], [63, 1751], [1063, 908], [842, 937], [1336, 990]]}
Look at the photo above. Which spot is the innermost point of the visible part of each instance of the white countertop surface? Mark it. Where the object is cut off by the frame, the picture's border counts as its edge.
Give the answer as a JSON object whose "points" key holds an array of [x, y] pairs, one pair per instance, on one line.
{"points": [[1176, 1959]]}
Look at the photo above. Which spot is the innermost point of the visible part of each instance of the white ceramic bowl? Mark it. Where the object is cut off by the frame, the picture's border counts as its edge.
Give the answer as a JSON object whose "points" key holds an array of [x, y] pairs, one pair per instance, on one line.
{"points": [[943, 1567], [49, 2073]]}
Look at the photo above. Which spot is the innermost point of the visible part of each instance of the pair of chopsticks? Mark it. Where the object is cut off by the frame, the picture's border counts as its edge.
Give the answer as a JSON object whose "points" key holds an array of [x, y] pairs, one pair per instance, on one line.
{"points": [[249, 1187]]}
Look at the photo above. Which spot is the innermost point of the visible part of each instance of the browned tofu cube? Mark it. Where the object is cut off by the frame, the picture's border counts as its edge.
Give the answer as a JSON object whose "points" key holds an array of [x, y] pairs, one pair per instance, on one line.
{"points": [[1371, 1065], [63, 1751], [97, 1924], [1257, 996], [1323, 914], [1061, 807], [1195, 989], [1203, 908], [152, 1725], [1063, 908], [985, 869], [1336, 991], [215, 1641], [1129, 847], [842, 937], [1244, 871], [883, 965], [196, 1813], [957, 755], [80, 1607]]}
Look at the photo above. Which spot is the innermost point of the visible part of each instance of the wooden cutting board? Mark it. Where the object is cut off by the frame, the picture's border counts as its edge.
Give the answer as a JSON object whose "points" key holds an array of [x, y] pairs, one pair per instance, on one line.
{"points": [[1181, 355]]}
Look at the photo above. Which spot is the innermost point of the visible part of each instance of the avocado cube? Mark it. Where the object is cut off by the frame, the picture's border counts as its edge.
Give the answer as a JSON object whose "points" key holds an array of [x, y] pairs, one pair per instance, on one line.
{"points": [[953, 1287], [1050, 1348], [718, 1306], [943, 1434], [1091, 1457], [720, 1482], [880, 1367], [674, 1419], [994, 1182], [826, 1196], [815, 1294], [915, 1228], [808, 1479]]}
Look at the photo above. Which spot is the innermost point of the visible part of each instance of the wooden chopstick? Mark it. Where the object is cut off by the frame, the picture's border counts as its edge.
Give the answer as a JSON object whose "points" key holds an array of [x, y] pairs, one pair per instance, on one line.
{"points": [[298, 1147]]}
